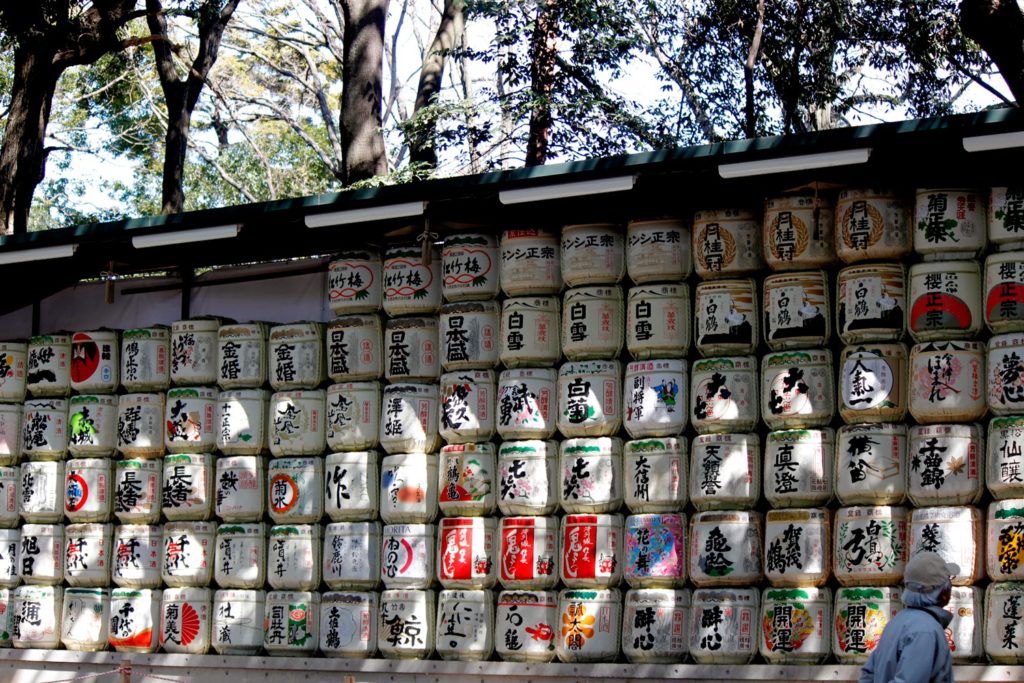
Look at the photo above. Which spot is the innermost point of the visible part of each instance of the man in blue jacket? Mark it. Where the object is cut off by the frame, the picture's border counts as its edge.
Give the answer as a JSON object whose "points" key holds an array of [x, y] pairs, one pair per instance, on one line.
{"points": [[913, 648]]}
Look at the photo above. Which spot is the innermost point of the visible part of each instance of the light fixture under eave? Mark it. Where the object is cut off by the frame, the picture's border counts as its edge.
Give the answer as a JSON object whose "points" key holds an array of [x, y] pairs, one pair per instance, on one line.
{"points": [[38, 254], [565, 190], [988, 143], [167, 239], [372, 213], [804, 162]]}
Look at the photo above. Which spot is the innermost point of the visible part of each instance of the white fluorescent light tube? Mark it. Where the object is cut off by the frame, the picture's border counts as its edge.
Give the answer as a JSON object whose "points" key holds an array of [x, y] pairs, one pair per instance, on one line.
{"points": [[564, 190], [167, 239], [40, 254], [987, 143], [373, 213], [804, 162]]}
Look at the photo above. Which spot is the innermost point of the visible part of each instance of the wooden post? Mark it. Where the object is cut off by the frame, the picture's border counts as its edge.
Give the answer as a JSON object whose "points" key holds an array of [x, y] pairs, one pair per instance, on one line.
{"points": [[126, 670]]}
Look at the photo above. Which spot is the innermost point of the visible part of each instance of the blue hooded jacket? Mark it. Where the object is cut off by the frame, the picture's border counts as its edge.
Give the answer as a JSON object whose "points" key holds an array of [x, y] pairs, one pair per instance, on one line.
{"points": [[912, 649]]}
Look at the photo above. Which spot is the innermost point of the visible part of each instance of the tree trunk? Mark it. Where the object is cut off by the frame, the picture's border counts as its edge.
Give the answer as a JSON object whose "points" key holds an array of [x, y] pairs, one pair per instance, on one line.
{"points": [[362, 139], [542, 77], [748, 72], [998, 27]]}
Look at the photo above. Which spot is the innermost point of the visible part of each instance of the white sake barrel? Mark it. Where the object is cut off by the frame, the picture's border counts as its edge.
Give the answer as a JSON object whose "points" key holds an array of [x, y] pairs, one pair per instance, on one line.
{"points": [[407, 556], [525, 399], [955, 533], [238, 621], [592, 254], [528, 554], [85, 619], [49, 365], [527, 477], [10, 482], [408, 488], [467, 406], [873, 384], [240, 486], [469, 267], [189, 415], [406, 624], [242, 355], [1004, 469], [725, 548], [1004, 540], [1005, 377], [42, 491], [658, 321], [293, 557], [530, 333], [44, 431], [592, 322], [291, 622], [861, 614], [411, 287], [295, 490], [94, 362], [10, 433], [145, 355], [349, 622], [798, 232], [725, 471], [140, 425], [36, 612], [871, 303], [42, 554], [92, 426], [87, 495], [296, 422], [1006, 217], [798, 467], [658, 250], [466, 480], [723, 625], [723, 394], [652, 625], [591, 550], [591, 475], [188, 487], [351, 557], [796, 546], [870, 545], [966, 604], [589, 398], [465, 625], [465, 552], [530, 262], [654, 398], [949, 223], [468, 332], [412, 349], [6, 617], [355, 348], [10, 566], [655, 551], [241, 555], [1004, 292], [947, 381], [194, 351], [1004, 639], [796, 625], [796, 310], [655, 474], [524, 625], [409, 418], [354, 282], [138, 552], [946, 464], [241, 422], [872, 224], [353, 416], [352, 486], [188, 554], [797, 389], [185, 620], [726, 243], [13, 356], [945, 300], [135, 619], [296, 356], [88, 549], [726, 318], [591, 625]]}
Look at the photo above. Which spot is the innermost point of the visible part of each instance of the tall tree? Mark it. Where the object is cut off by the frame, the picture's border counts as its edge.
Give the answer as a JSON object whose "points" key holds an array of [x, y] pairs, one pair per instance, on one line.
{"points": [[998, 27], [362, 90]]}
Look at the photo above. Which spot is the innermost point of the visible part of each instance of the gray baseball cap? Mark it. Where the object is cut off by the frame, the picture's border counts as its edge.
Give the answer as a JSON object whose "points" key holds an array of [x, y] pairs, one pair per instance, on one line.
{"points": [[927, 571]]}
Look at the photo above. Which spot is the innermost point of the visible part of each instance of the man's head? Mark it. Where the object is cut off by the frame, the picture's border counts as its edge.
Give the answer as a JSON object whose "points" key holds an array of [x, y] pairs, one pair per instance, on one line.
{"points": [[927, 573]]}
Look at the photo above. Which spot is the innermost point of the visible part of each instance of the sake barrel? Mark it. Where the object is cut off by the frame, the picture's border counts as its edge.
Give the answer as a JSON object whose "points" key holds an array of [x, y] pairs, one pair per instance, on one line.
{"points": [[411, 349], [658, 321], [242, 355], [9, 496], [468, 332], [10, 567], [145, 354], [797, 389], [49, 365], [290, 623], [955, 534], [1004, 632], [870, 545], [592, 322], [138, 552], [241, 422], [6, 618], [592, 253], [194, 351], [872, 224], [796, 310], [725, 548], [655, 474], [351, 557], [530, 333], [353, 416], [591, 470], [185, 620], [10, 433], [861, 614], [94, 362], [411, 287], [355, 348], [351, 486], [240, 488], [1004, 292], [873, 383], [524, 625], [589, 398], [798, 467], [466, 480], [1005, 377], [406, 624], [871, 303], [652, 625], [1003, 471], [465, 552], [87, 494], [13, 356], [85, 619], [525, 399], [293, 557], [188, 490], [947, 381], [140, 426], [407, 556], [726, 243], [1004, 540], [946, 464], [966, 604], [725, 471], [469, 267], [295, 490], [654, 398], [36, 612], [467, 406], [408, 488], [92, 426], [42, 491], [723, 394], [296, 423], [527, 477], [796, 625], [135, 619], [42, 554], [726, 317], [240, 559], [349, 622], [1006, 217], [655, 553], [591, 625], [798, 231], [723, 625], [354, 282], [530, 262], [409, 418], [796, 546], [528, 556], [44, 429], [949, 223], [238, 621], [188, 554], [591, 550], [189, 416], [945, 300], [658, 250]]}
